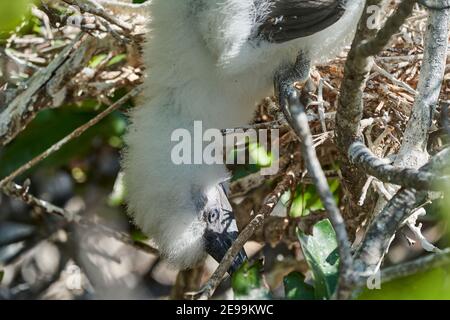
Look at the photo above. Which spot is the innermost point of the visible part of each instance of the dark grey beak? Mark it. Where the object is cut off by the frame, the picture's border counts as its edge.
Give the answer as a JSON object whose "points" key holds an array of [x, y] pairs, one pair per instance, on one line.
{"points": [[221, 229], [217, 245]]}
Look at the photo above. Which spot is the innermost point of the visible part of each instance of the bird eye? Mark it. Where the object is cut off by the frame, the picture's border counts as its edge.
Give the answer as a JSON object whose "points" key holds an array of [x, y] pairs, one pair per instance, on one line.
{"points": [[213, 216]]}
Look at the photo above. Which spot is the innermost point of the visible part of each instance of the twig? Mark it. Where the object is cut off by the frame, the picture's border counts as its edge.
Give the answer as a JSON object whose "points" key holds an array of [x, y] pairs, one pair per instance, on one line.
{"points": [[265, 211], [436, 260], [382, 229], [393, 79], [74, 134], [93, 7], [366, 187], [296, 115], [21, 192], [360, 155]]}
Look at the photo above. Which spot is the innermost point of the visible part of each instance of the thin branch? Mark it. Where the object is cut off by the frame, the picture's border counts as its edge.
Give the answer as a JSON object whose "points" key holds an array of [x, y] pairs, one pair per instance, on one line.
{"points": [[296, 115], [257, 222], [73, 135], [361, 156], [93, 7], [22, 193], [49, 86], [382, 229], [432, 261]]}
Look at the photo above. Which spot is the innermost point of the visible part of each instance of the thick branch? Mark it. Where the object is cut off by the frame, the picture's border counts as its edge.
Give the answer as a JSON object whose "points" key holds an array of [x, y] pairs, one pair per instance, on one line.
{"points": [[392, 25], [383, 228], [437, 5], [49, 86], [432, 261], [413, 153]]}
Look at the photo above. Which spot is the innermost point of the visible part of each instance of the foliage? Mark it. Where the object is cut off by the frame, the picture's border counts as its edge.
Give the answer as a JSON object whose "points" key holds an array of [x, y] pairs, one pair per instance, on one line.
{"points": [[11, 14], [248, 283]]}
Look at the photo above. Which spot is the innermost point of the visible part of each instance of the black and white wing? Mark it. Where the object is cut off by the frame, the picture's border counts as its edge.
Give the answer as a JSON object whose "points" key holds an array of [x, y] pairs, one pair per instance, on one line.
{"points": [[291, 19]]}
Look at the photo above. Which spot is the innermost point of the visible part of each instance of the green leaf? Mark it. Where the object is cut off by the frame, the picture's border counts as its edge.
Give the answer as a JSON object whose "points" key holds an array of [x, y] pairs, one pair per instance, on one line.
{"points": [[118, 58], [2, 274], [247, 282], [96, 60], [295, 287], [320, 251], [307, 199]]}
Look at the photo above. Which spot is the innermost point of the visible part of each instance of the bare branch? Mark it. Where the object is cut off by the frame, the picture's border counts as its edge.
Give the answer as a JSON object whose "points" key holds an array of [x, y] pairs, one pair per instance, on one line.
{"points": [[21, 192], [74, 134], [432, 261], [296, 115], [361, 156], [381, 231], [95, 8], [413, 153]]}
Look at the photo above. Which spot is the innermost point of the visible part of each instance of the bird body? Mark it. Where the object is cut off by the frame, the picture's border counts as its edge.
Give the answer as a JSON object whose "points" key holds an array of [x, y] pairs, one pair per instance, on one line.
{"points": [[209, 61]]}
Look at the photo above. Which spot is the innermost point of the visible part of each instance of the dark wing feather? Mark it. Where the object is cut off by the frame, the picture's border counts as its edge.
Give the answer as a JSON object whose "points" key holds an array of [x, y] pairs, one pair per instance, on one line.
{"points": [[292, 19]]}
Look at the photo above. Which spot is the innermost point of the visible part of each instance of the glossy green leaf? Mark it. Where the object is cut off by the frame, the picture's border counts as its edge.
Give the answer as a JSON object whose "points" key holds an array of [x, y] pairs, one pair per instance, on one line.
{"points": [[295, 287], [320, 251], [307, 199]]}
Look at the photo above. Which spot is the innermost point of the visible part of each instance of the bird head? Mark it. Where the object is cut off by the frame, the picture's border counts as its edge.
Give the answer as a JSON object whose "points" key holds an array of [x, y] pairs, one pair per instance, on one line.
{"points": [[220, 227]]}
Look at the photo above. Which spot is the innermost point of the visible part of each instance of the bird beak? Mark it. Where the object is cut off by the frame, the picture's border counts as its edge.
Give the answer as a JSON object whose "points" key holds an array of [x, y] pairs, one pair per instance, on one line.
{"points": [[217, 245], [221, 228]]}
